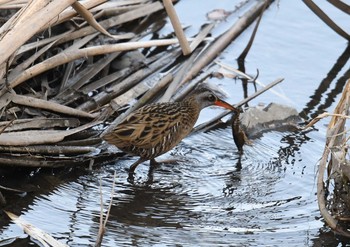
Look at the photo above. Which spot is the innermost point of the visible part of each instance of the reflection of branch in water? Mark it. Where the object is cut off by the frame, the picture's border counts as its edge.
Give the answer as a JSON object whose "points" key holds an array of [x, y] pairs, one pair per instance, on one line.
{"points": [[241, 67], [324, 85], [294, 141], [332, 95]]}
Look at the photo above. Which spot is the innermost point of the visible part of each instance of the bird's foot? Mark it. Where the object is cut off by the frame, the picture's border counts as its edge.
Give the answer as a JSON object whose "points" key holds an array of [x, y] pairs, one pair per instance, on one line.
{"points": [[131, 177]]}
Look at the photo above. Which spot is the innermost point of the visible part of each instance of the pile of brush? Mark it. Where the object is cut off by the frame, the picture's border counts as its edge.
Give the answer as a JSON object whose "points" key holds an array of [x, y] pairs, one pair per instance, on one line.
{"points": [[65, 72]]}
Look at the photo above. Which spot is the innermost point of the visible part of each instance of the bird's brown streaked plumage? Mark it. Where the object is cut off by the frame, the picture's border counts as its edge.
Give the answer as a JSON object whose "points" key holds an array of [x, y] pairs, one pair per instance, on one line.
{"points": [[156, 128]]}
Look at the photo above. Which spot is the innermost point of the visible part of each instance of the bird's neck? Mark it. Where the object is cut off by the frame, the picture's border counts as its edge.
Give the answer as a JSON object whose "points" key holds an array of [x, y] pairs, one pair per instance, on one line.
{"points": [[193, 108]]}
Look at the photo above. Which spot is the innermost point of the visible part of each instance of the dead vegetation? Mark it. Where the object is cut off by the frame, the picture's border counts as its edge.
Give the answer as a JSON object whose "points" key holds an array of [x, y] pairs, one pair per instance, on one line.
{"points": [[72, 70], [333, 177], [67, 73], [66, 78]]}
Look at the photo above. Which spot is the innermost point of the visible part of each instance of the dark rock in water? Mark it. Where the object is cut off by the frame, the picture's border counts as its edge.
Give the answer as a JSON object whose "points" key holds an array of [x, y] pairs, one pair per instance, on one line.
{"points": [[257, 120]]}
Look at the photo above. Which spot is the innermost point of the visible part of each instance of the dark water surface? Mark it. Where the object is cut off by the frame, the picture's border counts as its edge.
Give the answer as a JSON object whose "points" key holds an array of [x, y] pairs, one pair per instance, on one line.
{"points": [[212, 197]]}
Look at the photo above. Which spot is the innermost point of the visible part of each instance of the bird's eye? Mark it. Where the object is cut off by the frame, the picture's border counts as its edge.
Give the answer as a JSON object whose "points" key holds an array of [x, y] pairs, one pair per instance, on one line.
{"points": [[211, 98]]}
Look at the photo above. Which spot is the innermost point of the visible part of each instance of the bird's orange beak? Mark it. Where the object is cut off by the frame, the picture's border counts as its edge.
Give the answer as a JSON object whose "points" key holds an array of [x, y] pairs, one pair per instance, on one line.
{"points": [[224, 104]]}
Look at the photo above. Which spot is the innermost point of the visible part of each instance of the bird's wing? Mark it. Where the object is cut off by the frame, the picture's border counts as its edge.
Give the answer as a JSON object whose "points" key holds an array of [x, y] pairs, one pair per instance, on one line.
{"points": [[148, 127]]}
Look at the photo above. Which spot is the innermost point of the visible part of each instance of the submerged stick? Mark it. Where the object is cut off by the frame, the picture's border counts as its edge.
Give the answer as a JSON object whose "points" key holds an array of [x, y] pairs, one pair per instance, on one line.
{"points": [[36, 233]]}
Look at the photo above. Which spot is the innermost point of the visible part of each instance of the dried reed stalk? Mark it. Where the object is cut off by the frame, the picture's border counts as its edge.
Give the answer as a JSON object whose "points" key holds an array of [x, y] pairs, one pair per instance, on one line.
{"points": [[104, 220], [168, 5], [335, 139]]}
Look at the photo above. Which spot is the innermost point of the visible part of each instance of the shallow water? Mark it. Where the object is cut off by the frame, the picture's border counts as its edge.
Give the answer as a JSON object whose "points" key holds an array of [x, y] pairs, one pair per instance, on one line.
{"points": [[211, 197]]}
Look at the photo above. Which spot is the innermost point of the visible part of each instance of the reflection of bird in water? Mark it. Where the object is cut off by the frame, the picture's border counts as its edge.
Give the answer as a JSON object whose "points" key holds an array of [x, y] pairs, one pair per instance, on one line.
{"points": [[239, 136], [156, 128]]}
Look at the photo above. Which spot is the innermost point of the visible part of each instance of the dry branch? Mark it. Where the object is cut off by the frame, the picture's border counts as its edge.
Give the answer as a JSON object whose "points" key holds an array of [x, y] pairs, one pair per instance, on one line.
{"points": [[40, 123], [49, 150], [35, 137], [341, 5], [29, 22], [68, 56], [50, 106]]}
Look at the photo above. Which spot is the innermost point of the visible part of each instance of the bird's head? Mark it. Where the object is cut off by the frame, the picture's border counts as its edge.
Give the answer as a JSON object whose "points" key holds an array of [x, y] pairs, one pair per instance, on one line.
{"points": [[205, 97]]}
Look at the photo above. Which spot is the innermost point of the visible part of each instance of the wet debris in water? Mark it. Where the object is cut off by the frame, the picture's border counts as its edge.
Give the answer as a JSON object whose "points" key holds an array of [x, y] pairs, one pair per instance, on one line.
{"points": [[218, 14]]}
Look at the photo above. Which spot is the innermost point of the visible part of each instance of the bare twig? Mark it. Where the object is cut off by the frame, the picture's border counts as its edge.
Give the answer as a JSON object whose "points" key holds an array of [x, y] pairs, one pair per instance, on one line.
{"points": [[50, 106], [36, 137], [90, 18], [103, 221]]}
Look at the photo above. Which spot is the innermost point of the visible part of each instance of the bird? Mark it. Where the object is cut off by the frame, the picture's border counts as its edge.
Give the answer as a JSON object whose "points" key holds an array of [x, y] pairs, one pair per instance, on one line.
{"points": [[239, 136], [156, 128]]}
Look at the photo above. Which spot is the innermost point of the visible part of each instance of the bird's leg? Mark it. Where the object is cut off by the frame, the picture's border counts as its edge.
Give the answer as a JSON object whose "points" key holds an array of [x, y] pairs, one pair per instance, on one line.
{"points": [[134, 165], [132, 169], [153, 162]]}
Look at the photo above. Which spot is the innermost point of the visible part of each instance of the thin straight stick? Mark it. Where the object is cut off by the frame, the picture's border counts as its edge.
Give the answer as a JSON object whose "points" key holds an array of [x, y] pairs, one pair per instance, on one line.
{"points": [[169, 7]]}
